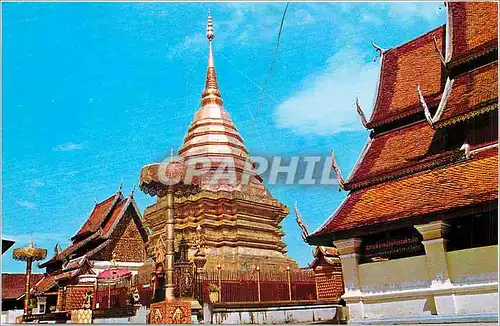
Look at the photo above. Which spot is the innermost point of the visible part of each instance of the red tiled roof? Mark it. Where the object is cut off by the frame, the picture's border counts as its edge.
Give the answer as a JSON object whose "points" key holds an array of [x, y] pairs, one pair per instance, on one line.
{"points": [[472, 93], [101, 222], [96, 218], [45, 284], [117, 212], [13, 284], [415, 62], [458, 185], [393, 150], [474, 28]]}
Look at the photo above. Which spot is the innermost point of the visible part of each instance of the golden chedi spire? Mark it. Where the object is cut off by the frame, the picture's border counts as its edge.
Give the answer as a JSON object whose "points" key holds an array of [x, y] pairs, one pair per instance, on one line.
{"points": [[211, 93], [212, 132]]}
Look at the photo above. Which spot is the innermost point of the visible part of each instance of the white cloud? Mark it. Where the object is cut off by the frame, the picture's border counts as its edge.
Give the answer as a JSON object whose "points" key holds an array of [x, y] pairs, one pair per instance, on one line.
{"points": [[37, 183], [325, 102], [411, 10], [189, 42], [68, 147], [303, 17], [72, 173], [26, 204]]}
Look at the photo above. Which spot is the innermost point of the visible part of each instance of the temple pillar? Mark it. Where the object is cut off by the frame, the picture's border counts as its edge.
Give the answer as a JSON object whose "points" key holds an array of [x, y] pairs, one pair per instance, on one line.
{"points": [[169, 257], [349, 258], [60, 301], [434, 241]]}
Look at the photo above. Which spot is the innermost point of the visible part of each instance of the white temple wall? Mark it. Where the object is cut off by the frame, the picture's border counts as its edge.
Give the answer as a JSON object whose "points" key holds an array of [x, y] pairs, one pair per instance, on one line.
{"points": [[439, 284]]}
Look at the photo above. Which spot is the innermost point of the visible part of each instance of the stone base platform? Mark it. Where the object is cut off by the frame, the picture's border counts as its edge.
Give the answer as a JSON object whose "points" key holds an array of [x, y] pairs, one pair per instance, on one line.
{"points": [[271, 313]]}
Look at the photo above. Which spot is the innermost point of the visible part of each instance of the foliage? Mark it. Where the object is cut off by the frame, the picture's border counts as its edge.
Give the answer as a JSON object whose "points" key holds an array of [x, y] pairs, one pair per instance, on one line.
{"points": [[214, 288]]}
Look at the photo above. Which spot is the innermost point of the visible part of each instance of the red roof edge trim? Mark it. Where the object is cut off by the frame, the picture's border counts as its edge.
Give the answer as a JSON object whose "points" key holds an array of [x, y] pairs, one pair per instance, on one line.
{"points": [[477, 52], [478, 110], [377, 89]]}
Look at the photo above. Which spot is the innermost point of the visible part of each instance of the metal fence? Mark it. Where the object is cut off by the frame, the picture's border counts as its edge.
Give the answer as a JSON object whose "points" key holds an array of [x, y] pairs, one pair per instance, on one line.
{"points": [[260, 286]]}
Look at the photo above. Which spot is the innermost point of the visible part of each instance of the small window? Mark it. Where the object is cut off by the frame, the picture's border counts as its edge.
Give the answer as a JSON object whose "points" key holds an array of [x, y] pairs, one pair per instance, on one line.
{"points": [[479, 230], [401, 243], [41, 308]]}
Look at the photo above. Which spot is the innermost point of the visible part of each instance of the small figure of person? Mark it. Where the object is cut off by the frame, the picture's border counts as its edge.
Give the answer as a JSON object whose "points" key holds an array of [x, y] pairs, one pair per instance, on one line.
{"points": [[87, 302], [158, 283]]}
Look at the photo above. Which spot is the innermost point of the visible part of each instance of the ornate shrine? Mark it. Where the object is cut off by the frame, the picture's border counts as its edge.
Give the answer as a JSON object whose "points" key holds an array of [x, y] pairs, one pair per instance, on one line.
{"points": [[241, 221]]}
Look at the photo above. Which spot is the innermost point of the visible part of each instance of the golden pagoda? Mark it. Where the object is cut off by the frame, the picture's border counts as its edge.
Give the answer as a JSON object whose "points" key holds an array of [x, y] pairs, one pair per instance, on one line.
{"points": [[241, 220]]}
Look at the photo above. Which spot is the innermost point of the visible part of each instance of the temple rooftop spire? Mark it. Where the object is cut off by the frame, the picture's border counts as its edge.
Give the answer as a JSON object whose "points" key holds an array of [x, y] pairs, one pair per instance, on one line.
{"points": [[211, 94]]}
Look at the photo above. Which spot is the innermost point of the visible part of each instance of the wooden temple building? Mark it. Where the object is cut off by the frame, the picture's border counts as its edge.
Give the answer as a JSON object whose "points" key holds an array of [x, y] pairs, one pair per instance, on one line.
{"points": [[417, 233], [112, 240], [240, 220]]}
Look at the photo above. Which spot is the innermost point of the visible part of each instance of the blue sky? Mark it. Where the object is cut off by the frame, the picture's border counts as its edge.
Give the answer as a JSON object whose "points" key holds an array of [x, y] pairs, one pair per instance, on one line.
{"points": [[94, 91]]}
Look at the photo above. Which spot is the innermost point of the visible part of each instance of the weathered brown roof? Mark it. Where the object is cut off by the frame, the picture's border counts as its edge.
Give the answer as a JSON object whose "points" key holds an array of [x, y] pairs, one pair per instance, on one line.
{"points": [[415, 62], [13, 284], [99, 226], [118, 211], [98, 215], [472, 93], [449, 187], [72, 269], [474, 29]]}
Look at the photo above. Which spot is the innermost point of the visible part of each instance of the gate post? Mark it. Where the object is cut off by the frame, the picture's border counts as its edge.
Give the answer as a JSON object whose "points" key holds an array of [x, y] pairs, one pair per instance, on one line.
{"points": [[289, 282], [219, 276], [258, 283]]}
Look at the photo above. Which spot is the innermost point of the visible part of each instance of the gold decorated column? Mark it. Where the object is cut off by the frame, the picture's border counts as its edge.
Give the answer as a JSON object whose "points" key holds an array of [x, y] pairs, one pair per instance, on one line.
{"points": [[29, 255], [169, 256], [27, 309]]}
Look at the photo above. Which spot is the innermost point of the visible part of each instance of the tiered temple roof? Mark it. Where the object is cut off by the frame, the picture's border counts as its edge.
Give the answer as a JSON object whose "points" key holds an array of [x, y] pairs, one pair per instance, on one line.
{"points": [[401, 69], [414, 170], [98, 232]]}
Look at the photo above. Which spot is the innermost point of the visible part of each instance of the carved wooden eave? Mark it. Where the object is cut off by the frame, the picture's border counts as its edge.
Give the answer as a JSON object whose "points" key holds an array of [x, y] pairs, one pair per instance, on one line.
{"points": [[445, 158], [462, 117]]}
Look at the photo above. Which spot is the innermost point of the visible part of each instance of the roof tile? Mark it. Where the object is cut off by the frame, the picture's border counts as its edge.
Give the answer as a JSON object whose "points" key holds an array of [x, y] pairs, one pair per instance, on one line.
{"points": [[471, 92], [415, 62], [474, 28], [457, 185], [13, 284]]}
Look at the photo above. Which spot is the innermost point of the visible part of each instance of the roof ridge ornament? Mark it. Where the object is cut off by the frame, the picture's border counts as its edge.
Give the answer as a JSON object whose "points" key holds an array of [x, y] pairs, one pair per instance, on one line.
{"points": [[336, 169], [442, 103], [359, 109], [380, 50], [466, 149], [298, 218]]}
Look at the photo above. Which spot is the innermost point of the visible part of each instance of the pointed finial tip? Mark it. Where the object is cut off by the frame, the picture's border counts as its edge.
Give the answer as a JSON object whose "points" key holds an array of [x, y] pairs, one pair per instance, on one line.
{"points": [[210, 28]]}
